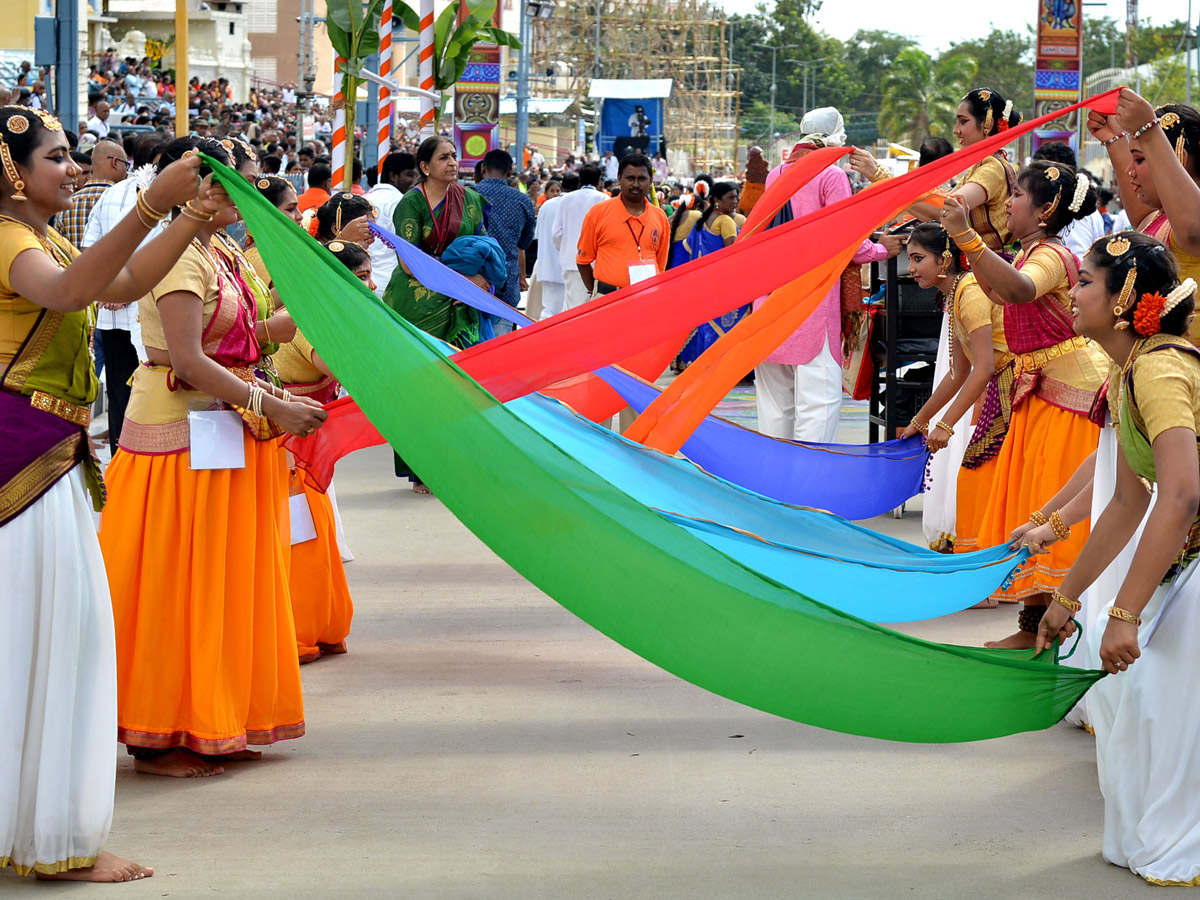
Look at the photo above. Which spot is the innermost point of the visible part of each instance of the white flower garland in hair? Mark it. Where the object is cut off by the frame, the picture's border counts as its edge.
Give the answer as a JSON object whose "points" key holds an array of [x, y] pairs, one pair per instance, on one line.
{"points": [[1007, 114], [1186, 289], [1081, 188]]}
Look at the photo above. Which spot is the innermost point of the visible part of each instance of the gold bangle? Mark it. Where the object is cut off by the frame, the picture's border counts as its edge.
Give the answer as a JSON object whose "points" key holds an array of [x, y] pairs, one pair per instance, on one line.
{"points": [[147, 208], [1061, 530], [879, 175], [1037, 517], [194, 212], [924, 429], [1124, 615], [267, 331], [1073, 605], [946, 428], [149, 226], [970, 246], [961, 233]]}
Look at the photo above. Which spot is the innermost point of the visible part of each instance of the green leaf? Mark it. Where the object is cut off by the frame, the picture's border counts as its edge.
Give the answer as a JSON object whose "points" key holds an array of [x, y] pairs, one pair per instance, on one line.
{"points": [[347, 15], [369, 38], [499, 36], [441, 29], [338, 38]]}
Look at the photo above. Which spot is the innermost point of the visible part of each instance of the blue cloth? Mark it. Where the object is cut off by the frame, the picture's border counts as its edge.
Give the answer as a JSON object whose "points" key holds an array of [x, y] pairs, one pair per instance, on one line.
{"points": [[702, 242], [511, 221], [477, 255]]}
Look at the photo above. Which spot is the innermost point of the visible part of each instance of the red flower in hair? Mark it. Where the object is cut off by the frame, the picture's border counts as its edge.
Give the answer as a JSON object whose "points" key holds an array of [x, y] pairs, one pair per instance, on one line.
{"points": [[312, 226], [1147, 317], [1002, 125]]}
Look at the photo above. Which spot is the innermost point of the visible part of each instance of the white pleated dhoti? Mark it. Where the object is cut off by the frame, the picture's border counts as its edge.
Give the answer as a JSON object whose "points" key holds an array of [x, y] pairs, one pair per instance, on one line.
{"points": [[1147, 722], [58, 686], [800, 403], [939, 502], [574, 293], [554, 296]]}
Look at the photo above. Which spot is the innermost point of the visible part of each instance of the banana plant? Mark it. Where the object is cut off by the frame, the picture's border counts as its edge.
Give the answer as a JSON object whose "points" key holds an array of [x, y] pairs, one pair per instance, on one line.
{"points": [[453, 43], [353, 28]]}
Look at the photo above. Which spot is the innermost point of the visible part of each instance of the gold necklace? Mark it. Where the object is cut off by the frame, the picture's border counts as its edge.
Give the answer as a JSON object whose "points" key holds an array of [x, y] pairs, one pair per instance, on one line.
{"points": [[951, 304], [1116, 408]]}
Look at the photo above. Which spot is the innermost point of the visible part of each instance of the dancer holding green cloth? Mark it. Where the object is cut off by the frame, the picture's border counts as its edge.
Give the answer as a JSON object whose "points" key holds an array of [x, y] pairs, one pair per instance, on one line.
{"points": [[431, 216]]}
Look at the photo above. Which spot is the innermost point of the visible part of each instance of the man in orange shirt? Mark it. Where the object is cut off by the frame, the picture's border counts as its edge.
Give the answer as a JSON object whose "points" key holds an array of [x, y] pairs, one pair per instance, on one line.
{"points": [[320, 177], [626, 239]]}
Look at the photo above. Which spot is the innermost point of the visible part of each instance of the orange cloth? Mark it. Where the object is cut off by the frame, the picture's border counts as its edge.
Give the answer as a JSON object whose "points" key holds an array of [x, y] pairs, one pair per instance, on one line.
{"points": [[312, 198], [198, 568], [1043, 448], [974, 488], [611, 237], [752, 191], [321, 604]]}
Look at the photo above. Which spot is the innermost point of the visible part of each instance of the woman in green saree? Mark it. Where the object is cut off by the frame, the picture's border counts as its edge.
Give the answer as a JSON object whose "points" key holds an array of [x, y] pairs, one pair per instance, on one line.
{"points": [[431, 216]]}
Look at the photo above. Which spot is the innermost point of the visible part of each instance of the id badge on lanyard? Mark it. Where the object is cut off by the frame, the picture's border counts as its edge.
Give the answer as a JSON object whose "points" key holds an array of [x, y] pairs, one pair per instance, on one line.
{"points": [[640, 269]]}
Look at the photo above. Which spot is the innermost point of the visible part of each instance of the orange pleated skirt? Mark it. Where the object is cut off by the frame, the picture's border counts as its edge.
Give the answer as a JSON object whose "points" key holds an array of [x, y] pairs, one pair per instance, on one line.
{"points": [[197, 565], [321, 604], [974, 488], [1043, 448]]}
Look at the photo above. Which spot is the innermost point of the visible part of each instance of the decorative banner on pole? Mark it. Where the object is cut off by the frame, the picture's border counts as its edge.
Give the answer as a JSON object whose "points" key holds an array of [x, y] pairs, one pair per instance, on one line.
{"points": [[477, 104], [338, 150], [1057, 78], [385, 71], [425, 67]]}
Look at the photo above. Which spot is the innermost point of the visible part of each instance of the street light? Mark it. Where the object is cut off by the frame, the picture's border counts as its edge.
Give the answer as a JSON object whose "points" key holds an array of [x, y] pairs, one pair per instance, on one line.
{"points": [[807, 64], [774, 48], [537, 9]]}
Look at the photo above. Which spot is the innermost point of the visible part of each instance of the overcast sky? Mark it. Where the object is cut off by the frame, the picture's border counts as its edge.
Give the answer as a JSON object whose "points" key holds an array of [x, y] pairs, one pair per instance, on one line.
{"points": [[941, 24]]}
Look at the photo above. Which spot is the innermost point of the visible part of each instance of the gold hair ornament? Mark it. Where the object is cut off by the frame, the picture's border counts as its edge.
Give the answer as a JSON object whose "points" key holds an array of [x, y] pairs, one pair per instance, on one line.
{"points": [[1053, 175], [17, 124], [1123, 297], [336, 246], [1117, 246], [263, 184]]}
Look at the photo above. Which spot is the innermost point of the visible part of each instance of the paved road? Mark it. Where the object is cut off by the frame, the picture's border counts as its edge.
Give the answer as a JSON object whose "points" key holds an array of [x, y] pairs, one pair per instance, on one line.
{"points": [[479, 741]]}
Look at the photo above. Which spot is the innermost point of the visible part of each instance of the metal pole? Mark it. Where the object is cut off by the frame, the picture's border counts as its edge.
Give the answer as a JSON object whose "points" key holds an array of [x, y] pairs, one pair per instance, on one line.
{"points": [[182, 126], [523, 87], [597, 66], [66, 80], [771, 138], [425, 68]]}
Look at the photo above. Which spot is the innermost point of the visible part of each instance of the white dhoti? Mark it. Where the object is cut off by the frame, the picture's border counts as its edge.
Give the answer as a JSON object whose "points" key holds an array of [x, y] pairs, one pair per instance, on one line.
{"points": [[58, 686], [801, 403], [554, 295], [939, 503], [574, 293], [1147, 722]]}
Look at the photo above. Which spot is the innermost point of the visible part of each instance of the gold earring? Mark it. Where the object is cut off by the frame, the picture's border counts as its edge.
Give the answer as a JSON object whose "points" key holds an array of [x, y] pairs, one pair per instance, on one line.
{"points": [[1123, 298], [10, 170]]}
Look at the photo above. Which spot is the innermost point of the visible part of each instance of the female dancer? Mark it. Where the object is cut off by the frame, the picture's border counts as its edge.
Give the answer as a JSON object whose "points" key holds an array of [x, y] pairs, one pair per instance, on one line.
{"points": [[978, 356], [321, 604], [58, 684], [206, 647], [1158, 171], [1055, 377], [714, 230], [1129, 300], [283, 197]]}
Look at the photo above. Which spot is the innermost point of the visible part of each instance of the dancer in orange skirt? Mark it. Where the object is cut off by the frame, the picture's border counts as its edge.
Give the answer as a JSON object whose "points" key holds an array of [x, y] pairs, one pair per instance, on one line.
{"points": [[1055, 378], [191, 536], [321, 603], [978, 354]]}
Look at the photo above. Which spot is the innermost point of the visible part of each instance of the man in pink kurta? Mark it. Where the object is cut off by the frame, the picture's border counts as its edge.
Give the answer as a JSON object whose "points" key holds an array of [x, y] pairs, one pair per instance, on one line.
{"points": [[799, 386]]}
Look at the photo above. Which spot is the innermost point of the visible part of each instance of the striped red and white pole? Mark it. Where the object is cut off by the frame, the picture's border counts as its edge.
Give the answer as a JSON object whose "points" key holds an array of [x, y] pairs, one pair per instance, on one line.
{"points": [[425, 66], [338, 149], [385, 71]]}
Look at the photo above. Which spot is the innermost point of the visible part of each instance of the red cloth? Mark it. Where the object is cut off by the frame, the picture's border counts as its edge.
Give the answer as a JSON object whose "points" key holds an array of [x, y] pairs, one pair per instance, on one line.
{"points": [[616, 326], [346, 430]]}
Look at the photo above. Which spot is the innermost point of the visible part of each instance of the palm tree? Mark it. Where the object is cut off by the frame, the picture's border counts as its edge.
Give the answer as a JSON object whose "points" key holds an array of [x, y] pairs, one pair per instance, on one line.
{"points": [[921, 94]]}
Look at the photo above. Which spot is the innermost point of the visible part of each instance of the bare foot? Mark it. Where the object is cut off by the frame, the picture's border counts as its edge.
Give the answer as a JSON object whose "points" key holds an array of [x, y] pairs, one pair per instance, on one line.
{"points": [[332, 649], [179, 763], [1022, 640], [235, 756], [419, 487], [107, 868]]}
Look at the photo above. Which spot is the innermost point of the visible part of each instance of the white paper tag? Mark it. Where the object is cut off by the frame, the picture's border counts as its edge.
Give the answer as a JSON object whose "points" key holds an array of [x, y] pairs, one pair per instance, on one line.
{"points": [[216, 439], [641, 271], [303, 527]]}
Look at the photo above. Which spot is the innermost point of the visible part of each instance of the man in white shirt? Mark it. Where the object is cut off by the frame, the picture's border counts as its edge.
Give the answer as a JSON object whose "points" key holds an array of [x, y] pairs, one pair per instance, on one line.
{"points": [[536, 159], [118, 327], [549, 263], [611, 165], [568, 225], [127, 107], [99, 122], [398, 175]]}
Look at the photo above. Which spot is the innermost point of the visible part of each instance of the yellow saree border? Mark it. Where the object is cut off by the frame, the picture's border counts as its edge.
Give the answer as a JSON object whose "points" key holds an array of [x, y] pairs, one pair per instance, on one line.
{"points": [[54, 868]]}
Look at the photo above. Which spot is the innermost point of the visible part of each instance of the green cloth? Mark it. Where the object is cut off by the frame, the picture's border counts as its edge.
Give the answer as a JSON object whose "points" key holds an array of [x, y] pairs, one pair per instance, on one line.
{"points": [[624, 568], [434, 313]]}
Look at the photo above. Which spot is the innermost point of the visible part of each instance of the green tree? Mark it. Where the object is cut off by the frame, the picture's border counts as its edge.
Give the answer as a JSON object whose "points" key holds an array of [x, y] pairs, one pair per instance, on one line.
{"points": [[1168, 80], [921, 94], [1103, 44], [756, 122], [871, 53], [1004, 62]]}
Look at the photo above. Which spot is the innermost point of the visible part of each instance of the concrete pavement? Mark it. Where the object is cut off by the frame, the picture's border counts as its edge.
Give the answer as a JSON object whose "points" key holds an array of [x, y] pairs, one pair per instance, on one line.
{"points": [[479, 741]]}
